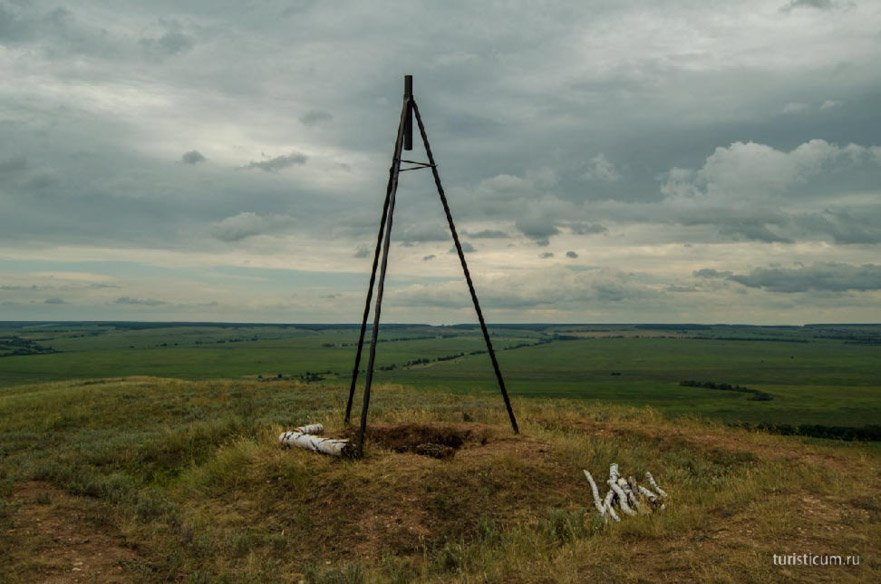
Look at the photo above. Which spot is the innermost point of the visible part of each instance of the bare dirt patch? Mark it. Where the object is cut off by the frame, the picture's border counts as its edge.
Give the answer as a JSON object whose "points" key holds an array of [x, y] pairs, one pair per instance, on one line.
{"points": [[435, 440], [58, 538]]}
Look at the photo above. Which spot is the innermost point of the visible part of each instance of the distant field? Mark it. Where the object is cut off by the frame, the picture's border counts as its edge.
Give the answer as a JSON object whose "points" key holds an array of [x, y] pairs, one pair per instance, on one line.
{"points": [[815, 375]]}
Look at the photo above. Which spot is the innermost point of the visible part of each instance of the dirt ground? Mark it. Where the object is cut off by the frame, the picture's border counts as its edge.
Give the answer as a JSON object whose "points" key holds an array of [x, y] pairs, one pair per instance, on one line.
{"points": [[68, 540]]}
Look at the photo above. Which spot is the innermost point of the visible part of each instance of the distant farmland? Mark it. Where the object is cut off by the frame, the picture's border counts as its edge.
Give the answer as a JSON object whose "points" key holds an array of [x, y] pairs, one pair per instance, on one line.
{"points": [[816, 375]]}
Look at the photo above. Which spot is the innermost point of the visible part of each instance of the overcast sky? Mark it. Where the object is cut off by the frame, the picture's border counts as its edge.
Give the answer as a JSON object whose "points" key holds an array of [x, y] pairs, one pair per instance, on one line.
{"points": [[689, 161]]}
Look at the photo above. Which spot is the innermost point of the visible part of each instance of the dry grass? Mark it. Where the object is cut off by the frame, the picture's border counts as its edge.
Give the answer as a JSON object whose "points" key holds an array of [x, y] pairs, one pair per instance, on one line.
{"points": [[197, 490]]}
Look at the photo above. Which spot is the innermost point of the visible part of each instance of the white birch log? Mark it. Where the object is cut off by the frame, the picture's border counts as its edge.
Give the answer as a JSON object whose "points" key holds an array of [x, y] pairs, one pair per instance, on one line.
{"points": [[332, 446], [632, 493], [607, 503], [613, 473], [648, 494], [314, 429], [596, 494], [652, 482], [631, 497], [622, 498]]}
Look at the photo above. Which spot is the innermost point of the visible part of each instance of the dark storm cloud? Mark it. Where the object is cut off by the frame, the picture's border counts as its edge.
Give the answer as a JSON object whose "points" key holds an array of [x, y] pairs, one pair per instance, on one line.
{"points": [[59, 32], [19, 23], [11, 29], [843, 226], [192, 157], [13, 165], [817, 4], [550, 122], [568, 137], [538, 228], [823, 277], [826, 277], [171, 42], [138, 301], [711, 273], [278, 163], [487, 234]]}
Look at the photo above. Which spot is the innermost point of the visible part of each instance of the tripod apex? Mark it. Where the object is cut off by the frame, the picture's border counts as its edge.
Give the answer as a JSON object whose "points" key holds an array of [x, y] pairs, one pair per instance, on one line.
{"points": [[408, 116]]}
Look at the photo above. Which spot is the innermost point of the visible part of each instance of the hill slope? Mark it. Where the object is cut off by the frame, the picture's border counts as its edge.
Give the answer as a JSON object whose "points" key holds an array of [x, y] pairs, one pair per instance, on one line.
{"points": [[146, 479]]}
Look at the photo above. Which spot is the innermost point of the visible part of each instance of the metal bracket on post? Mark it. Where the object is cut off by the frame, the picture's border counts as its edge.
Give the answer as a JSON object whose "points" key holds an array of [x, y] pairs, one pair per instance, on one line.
{"points": [[404, 141]]}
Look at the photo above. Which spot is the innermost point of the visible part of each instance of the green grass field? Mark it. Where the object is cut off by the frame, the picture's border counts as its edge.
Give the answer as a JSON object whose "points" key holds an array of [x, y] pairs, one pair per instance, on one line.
{"points": [[132, 452], [163, 480], [816, 375]]}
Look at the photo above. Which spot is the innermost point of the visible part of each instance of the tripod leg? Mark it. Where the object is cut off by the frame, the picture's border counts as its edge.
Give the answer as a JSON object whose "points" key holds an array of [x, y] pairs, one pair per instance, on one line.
{"points": [[443, 198], [394, 173], [379, 239]]}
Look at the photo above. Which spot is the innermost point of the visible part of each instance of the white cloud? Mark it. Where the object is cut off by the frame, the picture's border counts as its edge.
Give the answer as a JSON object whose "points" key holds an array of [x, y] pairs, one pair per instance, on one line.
{"points": [[602, 169], [795, 107], [552, 286], [751, 171], [248, 224], [277, 163]]}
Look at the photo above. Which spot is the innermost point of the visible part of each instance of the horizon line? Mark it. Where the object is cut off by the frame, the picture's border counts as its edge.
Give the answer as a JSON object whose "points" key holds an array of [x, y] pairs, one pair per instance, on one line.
{"points": [[458, 324]]}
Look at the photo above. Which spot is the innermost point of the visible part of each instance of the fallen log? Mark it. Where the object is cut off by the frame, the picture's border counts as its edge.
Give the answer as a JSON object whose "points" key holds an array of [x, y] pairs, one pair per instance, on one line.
{"points": [[622, 498], [598, 503], [314, 429], [607, 503], [652, 482], [648, 494], [331, 446], [630, 497], [630, 487]]}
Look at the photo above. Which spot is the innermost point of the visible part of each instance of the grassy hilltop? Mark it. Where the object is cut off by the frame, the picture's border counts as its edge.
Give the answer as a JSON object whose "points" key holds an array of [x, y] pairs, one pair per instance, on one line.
{"points": [[149, 479], [145, 452]]}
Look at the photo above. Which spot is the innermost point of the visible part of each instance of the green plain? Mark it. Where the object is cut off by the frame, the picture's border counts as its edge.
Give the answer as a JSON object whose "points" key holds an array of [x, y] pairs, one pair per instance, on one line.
{"points": [[816, 375]]}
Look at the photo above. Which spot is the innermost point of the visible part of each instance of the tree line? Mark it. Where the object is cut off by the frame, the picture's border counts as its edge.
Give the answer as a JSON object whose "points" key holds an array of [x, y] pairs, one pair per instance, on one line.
{"points": [[755, 394]]}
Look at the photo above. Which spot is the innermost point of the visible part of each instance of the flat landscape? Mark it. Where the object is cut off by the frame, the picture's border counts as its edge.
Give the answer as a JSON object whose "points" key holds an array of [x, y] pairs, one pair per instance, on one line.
{"points": [[815, 375], [135, 452]]}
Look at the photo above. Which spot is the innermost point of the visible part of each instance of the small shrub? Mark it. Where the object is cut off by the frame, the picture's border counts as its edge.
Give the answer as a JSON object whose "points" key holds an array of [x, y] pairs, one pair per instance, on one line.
{"points": [[449, 558], [400, 570], [564, 526], [489, 531]]}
